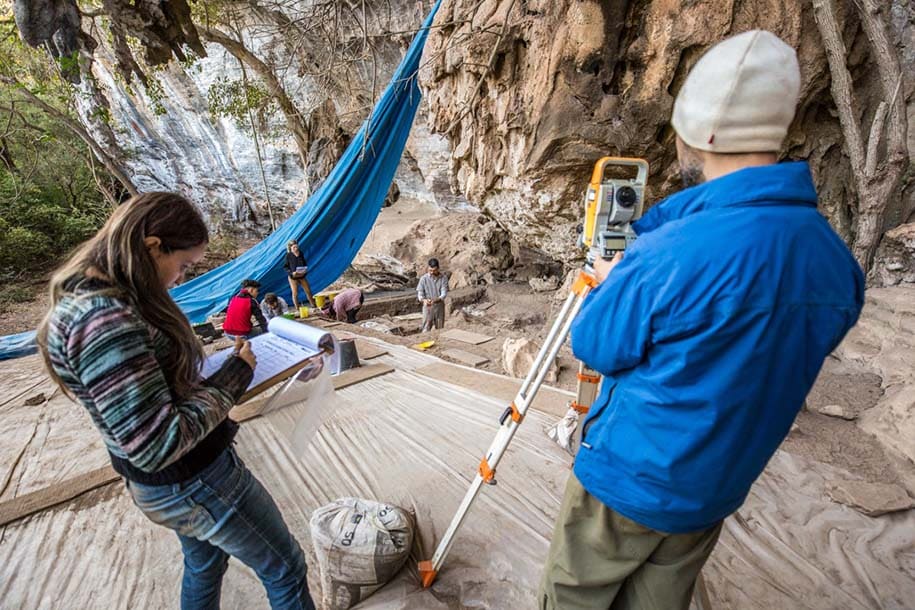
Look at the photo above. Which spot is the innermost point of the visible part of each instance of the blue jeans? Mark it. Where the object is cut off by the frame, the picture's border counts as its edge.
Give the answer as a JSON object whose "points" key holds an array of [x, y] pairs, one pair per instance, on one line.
{"points": [[225, 511]]}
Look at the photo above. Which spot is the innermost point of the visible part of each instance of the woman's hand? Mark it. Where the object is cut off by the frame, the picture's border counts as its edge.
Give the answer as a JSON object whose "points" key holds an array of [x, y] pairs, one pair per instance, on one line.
{"points": [[246, 354]]}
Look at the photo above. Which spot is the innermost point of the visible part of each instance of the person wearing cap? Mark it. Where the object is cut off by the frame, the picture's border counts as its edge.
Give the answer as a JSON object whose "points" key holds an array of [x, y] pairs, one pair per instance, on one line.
{"points": [[709, 333], [431, 292], [242, 307], [296, 267]]}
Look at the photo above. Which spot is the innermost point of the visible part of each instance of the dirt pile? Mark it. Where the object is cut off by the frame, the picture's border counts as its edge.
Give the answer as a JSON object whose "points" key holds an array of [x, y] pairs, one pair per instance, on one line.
{"points": [[861, 412], [471, 247]]}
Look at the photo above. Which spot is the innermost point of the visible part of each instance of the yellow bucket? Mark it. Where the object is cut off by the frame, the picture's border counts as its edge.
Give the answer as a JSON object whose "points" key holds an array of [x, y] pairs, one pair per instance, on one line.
{"points": [[303, 312], [320, 299]]}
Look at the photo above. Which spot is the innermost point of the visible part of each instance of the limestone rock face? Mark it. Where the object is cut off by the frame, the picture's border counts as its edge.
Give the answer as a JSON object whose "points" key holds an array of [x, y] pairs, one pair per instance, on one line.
{"points": [[553, 85], [518, 357], [171, 140], [895, 260]]}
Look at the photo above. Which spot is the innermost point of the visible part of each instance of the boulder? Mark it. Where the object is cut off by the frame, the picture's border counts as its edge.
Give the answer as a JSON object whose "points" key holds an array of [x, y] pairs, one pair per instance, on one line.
{"points": [[894, 263], [518, 357], [836, 411], [544, 284], [872, 499]]}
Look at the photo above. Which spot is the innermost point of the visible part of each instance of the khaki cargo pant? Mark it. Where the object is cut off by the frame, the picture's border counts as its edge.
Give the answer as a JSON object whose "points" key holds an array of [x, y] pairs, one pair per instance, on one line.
{"points": [[601, 559]]}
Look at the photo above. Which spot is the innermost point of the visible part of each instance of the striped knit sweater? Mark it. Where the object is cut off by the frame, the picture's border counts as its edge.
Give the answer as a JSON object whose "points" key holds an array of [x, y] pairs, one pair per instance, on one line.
{"points": [[113, 363]]}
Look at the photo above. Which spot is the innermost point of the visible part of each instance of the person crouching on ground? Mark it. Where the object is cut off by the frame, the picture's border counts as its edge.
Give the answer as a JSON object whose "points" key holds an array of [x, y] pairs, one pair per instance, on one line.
{"points": [[431, 292], [116, 342], [346, 305], [709, 332], [242, 307], [273, 306], [296, 268]]}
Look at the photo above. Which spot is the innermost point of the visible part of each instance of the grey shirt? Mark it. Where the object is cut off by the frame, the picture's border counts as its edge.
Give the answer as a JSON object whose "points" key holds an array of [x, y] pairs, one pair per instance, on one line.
{"points": [[269, 313], [432, 287]]}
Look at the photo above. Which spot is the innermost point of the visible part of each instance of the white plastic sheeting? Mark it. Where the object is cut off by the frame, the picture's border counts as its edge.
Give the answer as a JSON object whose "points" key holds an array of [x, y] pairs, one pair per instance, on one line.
{"points": [[415, 442]]}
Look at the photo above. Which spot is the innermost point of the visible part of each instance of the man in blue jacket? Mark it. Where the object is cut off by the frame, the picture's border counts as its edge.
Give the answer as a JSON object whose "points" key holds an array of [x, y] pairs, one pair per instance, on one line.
{"points": [[709, 333]]}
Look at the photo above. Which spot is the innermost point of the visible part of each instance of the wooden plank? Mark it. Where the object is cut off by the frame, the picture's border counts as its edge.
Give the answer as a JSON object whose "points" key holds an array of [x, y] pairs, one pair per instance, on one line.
{"points": [[465, 357], [409, 316], [362, 373], [367, 350], [43, 499], [269, 383], [465, 336], [548, 400]]}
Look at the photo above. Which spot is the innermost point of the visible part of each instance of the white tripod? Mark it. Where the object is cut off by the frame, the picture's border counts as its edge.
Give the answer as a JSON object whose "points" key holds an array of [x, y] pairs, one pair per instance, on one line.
{"points": [[588, 381], [514, 414]]}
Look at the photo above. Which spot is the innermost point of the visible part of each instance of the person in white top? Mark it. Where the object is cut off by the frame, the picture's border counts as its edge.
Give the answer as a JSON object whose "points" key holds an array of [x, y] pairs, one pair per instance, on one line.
{"points": [[273, 306], [431, 292]]}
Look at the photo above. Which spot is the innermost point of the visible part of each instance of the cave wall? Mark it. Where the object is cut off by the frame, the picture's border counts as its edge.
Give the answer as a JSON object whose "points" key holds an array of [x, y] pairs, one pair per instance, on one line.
{"points": [[173, 142], [574, 80]]}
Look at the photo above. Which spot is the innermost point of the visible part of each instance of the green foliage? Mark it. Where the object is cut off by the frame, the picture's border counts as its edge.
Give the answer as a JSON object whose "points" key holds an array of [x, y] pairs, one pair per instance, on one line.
{"points": [[49, 198], [233, 99], [40, 224], [13, 293]]}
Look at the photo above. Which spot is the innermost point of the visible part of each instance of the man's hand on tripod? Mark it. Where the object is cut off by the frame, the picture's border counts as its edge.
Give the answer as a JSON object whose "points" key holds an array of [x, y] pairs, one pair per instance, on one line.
{"points": [[603, 267]]}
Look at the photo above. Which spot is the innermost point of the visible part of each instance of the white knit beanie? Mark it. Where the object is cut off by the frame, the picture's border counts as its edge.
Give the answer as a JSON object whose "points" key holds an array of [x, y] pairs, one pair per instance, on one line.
{"points": [[740, 96]]}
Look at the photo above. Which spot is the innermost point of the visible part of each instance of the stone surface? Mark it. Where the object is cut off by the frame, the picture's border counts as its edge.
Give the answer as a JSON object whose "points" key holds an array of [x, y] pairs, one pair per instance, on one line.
{"points": [[173, 142], [575, 80], [872, 499], [894, 263], [836, 411], [544, 284], [518, 356]]}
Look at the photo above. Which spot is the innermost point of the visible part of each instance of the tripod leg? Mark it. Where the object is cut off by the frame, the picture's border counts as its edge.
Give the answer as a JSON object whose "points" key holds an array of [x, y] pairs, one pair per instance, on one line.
{"points": [[508, 425]]}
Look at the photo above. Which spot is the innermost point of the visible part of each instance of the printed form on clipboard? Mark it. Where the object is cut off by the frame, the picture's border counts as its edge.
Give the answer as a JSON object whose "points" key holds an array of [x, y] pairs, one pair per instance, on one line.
{"points": [[280, 352]]}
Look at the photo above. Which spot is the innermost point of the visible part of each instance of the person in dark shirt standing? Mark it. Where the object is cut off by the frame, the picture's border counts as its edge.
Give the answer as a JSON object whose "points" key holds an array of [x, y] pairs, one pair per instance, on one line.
{"points": [[241, 307], [296, 267]]}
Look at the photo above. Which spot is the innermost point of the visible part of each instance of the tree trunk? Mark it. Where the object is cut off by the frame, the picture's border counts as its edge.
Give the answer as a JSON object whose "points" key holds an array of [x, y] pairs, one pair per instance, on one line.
{"points": [[294, 120], [76, 127]]}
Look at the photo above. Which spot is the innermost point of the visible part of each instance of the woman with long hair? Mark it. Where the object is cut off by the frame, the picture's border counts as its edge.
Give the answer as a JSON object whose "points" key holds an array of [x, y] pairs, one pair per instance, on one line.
{"points": [[295, 269], [116, 341]]}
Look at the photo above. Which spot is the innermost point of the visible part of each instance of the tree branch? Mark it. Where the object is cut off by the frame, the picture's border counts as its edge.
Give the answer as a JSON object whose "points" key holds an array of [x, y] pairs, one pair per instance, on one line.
{"points": [[294, 120], [77, 128], [842, 92], [890, 74]]}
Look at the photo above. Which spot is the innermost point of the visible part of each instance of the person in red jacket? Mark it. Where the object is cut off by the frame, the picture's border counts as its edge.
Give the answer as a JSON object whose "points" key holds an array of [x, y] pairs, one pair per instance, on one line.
{"points": [[241, 307]]}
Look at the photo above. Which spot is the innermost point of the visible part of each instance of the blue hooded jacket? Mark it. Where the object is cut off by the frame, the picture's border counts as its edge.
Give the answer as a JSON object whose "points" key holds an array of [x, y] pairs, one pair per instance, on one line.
{"points": [[710, 332]]}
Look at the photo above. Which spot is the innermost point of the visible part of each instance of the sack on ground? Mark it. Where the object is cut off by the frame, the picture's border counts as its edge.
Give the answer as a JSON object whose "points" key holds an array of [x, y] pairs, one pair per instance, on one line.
{"points": [[565, 432], [360, 545]]}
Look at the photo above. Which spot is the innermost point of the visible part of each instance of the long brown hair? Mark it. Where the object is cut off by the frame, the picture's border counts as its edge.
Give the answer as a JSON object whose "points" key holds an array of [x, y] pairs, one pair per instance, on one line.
{"points": [[119, 253]]}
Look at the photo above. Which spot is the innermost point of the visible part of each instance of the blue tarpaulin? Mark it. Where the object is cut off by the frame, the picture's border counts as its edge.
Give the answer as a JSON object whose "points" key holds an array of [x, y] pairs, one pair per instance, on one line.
{"points": [[330, 227]]}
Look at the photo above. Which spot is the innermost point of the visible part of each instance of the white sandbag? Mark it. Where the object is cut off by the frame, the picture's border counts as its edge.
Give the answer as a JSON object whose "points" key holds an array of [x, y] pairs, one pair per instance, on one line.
{"points": [[360, 545], [565, 432]]}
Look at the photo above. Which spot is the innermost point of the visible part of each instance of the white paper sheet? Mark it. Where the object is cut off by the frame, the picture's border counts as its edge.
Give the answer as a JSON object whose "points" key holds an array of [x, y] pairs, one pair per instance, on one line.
{"points": [[286, 344]]}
